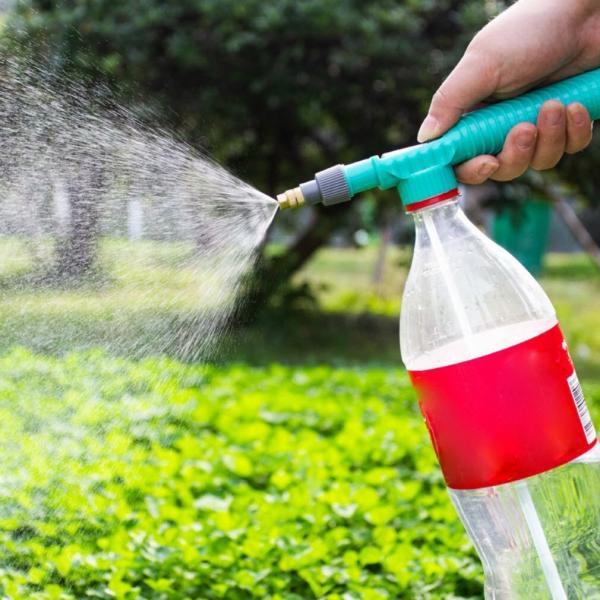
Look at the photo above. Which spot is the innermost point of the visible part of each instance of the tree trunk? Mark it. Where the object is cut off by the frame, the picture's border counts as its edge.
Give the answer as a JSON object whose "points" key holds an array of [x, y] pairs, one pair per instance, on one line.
{"points": [[580, 233], [572, 221], [77, 250], [273, 274], [382, 252]]}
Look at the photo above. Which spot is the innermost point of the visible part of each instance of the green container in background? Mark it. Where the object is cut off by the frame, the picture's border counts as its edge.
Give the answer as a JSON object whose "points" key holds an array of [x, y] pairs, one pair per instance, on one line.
{"points": [[523, 231]]}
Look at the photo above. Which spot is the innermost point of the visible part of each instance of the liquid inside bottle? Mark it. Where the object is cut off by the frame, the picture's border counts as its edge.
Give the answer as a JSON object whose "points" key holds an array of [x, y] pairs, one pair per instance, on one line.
{"points": [[505, 411]]}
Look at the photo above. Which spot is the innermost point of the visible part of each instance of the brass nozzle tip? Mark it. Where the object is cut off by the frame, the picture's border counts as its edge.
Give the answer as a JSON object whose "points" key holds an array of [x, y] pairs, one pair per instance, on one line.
{"points": [[291, 199]]}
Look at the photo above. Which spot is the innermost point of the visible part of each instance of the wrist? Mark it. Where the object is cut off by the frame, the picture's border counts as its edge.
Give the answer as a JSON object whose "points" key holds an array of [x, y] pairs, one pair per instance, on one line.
{"points": [[578, 10], [587, 8]]}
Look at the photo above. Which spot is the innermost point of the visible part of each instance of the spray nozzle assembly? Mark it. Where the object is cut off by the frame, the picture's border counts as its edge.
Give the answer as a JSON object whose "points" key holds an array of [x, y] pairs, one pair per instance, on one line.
{"points": [[424, 172]]}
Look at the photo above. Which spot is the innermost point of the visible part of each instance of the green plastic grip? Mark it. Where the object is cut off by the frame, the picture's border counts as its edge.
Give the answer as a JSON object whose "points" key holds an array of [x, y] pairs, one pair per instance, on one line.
{"points": [[483, 131], [423, 171]]}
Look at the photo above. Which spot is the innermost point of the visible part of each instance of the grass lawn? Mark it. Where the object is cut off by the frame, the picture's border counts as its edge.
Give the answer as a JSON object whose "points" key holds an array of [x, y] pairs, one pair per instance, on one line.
{"points": [[150, 478], [151, 293]]}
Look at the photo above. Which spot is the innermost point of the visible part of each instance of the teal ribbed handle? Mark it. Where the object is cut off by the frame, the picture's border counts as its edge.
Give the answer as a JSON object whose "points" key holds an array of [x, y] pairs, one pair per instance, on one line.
{"points": [[483, 131], [424, 171]]}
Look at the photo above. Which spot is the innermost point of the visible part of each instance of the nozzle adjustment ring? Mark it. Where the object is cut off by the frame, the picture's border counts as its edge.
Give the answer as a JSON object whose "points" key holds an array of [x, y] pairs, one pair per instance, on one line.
{"points": [[333, 185]]}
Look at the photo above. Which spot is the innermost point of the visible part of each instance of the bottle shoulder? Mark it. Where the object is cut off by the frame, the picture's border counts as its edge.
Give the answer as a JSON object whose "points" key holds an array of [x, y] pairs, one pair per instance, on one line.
{"points": [[466, 296], [482, 343]]}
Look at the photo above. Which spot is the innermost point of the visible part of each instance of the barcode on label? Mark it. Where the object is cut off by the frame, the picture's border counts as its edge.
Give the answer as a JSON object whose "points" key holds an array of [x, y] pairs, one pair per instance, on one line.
{"points": [[582, 409]]}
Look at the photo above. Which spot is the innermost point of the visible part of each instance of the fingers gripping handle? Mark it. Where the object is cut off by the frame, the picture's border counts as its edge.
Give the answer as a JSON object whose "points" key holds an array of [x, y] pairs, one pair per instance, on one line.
{"points": [[423, 171], [483, 131]]}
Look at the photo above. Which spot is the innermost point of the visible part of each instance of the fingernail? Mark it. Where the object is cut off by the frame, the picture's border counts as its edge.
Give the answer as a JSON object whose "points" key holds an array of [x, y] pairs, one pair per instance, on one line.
{"points": [[429, 129], [554, 116], [486, 169], [577, 114], [526, 140]]}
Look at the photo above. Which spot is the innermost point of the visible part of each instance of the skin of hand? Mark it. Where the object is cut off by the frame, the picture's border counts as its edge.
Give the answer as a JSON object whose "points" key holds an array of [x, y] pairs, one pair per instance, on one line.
{"points": [[532, 43]]}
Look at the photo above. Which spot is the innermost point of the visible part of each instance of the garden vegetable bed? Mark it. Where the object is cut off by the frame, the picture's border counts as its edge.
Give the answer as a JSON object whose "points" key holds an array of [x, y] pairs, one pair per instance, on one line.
{"points": [[160, 480]]}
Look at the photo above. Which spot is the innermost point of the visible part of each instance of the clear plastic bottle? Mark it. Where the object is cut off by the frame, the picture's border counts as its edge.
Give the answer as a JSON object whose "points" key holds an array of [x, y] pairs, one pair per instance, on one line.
{"points": [[504, 409]]}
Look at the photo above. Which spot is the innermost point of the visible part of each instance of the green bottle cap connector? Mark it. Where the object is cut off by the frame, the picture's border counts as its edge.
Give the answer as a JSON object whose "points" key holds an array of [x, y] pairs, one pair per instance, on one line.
{"points": [[425, 171], [433, 182]]}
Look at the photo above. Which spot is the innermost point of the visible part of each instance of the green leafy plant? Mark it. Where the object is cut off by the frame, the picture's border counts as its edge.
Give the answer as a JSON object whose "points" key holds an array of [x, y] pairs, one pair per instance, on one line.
{"points": [[159, 480]]}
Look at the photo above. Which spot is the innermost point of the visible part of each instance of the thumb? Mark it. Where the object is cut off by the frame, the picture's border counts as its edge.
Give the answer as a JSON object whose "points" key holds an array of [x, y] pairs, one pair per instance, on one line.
{"points": [[470, 82]]}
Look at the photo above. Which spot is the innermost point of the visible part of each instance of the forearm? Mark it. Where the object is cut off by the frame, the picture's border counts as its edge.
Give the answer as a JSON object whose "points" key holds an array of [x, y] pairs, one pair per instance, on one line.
{"points": [[579, 9]]}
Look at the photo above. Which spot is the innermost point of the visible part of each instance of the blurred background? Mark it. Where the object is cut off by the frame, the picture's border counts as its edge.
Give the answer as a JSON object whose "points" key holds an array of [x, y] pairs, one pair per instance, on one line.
{"points": [[278, 90], [274, 90]]}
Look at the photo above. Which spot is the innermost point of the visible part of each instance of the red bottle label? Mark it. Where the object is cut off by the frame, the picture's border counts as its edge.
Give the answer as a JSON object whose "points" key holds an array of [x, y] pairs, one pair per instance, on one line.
{"points": [[510, 414]]}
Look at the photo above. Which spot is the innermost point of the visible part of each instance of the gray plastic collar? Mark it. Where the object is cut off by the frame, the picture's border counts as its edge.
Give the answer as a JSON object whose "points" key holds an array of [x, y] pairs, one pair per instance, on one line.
{"points": [[311, 192], [333, 185]]}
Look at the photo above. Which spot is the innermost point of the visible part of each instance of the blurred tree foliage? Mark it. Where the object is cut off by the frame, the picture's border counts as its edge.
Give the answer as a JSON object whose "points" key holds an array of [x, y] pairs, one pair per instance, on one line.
{"points": [[275, 90]]}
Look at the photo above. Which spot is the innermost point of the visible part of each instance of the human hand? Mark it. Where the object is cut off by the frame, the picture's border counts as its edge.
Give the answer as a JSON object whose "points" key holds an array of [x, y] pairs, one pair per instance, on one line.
{"points": [[532, 43]]}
